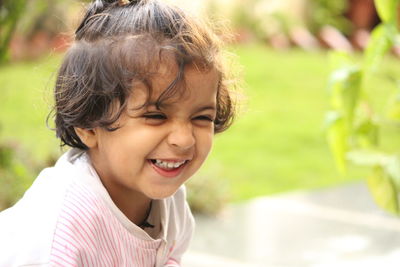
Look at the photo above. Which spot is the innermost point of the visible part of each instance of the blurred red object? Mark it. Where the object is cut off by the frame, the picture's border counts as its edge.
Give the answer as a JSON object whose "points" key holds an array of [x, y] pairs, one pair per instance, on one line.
{"points": [[40, 44]]}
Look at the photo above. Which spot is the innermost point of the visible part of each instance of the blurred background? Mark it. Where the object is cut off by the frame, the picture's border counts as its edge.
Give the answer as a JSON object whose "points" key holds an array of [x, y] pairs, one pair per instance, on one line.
{"points": [[279, 142]]}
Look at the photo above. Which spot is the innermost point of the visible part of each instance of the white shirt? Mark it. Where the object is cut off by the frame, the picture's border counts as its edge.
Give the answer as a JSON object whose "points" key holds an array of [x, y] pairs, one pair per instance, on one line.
{"points": [[67, 218]]}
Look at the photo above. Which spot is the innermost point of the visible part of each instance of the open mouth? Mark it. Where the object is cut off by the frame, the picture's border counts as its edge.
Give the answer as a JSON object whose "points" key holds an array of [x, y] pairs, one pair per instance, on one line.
{"points": [[168, 168]]}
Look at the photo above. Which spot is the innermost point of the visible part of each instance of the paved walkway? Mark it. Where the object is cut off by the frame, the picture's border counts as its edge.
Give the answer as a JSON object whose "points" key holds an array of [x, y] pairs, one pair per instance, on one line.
{"points": [[337, 227]]}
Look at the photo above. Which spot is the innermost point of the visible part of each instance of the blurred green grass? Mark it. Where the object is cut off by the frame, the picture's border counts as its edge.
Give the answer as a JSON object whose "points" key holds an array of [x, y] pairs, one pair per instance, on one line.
{"points": [[277, 144], [25, 102]]}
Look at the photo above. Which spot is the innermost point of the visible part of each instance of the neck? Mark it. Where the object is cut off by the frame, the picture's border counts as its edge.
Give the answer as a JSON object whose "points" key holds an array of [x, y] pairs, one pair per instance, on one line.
{"points": [[133, 204], [136, 209]]}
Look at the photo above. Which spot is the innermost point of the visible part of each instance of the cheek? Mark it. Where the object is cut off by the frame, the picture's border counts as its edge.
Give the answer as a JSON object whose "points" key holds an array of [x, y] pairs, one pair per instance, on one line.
{"points": [[205, 142], [135, 140]]}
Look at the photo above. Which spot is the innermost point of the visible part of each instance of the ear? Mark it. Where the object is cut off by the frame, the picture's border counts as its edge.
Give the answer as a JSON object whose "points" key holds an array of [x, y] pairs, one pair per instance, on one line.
{"points": [[87, 136]]}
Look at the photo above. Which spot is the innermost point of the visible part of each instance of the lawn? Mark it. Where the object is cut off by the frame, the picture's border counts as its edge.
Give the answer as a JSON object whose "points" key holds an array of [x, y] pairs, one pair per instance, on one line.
{"points": [[25, 103], [277, 143]]}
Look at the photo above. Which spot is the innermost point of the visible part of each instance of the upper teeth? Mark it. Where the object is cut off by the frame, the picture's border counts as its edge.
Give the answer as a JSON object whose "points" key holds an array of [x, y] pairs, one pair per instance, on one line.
{"points": [[169, 165]]}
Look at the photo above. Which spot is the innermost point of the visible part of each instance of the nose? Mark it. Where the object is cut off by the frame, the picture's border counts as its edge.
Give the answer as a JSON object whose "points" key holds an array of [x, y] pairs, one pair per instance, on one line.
{"points": [[181, 136]]}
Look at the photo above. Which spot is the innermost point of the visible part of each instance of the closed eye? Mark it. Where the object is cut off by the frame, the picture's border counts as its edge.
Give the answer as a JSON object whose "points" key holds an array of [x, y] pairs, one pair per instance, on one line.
{"points": [[154, 116], [204, 118]]}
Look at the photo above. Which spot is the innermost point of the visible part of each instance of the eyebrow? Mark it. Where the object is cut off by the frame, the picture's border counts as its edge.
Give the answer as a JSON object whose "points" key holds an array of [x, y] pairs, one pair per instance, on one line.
{"points": [[207, 108], [203, 108]]}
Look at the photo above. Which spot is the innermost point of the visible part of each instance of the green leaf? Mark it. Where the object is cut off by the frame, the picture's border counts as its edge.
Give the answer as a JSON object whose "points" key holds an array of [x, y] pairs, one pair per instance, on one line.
{"points": [[380, 42], [368, 158], [387, 10], [367, 133], [350, 94], [393, 112], [345, 85], [337, 135], [383, 190]]}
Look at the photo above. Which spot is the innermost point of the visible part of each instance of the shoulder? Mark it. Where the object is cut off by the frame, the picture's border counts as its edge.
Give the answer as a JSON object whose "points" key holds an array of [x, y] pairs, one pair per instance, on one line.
{"points": [[27, 229], [82, 208], [82, 221]]}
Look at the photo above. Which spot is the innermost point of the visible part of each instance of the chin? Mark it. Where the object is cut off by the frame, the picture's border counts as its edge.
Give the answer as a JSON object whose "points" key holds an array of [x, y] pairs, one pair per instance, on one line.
{"points": [[161, 194]]}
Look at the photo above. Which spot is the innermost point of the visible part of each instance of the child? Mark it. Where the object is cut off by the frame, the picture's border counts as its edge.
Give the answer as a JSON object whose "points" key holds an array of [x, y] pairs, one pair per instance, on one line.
{"points": [[139, 96]]}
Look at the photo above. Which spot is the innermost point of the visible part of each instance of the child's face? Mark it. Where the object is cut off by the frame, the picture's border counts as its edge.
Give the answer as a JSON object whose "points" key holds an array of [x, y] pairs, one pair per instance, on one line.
{"points": [[156, 151]]}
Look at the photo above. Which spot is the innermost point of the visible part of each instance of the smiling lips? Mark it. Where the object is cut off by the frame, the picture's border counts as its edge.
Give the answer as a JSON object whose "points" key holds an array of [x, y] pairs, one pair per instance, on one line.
{"points": [[168, 168]]}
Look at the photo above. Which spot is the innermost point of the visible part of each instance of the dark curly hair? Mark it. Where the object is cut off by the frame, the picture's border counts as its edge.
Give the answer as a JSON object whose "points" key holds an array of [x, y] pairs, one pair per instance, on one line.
{"points": [[119, 41]]}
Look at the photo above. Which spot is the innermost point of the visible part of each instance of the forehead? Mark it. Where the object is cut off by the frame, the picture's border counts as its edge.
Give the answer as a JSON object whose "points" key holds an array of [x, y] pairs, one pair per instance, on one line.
{"points": [[165, 85]]}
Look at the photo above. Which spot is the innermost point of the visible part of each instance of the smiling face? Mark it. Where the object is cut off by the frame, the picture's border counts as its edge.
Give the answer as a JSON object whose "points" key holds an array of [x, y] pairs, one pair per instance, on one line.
{"points": [[156, 150]]}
